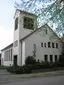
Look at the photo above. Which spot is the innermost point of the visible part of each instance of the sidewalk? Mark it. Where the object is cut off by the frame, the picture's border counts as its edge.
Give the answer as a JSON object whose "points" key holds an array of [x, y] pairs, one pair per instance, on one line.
{"points": [[6, 77], [4, 72]]}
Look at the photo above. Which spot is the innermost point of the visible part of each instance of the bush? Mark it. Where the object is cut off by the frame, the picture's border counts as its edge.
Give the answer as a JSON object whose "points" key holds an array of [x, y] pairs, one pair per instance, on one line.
{"points": [[26, 69], [19, 69], [43, 65], [15, 69], [30, 60], [61, 61], [30, 66]]}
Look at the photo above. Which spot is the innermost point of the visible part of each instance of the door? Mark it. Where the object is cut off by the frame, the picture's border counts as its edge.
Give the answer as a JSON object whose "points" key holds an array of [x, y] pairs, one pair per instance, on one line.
{"points": [[15, 60]]}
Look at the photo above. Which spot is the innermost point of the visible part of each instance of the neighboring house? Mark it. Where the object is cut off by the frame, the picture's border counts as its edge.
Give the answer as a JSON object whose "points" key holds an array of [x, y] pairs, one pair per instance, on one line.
{"points": [[41, 43]]}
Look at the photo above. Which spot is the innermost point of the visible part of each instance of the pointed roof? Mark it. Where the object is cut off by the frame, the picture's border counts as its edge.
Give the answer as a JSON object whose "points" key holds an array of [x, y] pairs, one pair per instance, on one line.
{"points": [[10, 45], [38, 29]]}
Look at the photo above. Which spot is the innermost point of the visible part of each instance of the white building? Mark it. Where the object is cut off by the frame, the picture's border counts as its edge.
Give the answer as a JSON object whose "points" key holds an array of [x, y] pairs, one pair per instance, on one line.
{"points": [[42, 43]]}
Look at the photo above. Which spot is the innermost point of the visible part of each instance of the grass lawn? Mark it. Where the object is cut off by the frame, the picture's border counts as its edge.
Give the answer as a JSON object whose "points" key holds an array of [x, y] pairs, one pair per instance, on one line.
{"points": [[3, 67]]}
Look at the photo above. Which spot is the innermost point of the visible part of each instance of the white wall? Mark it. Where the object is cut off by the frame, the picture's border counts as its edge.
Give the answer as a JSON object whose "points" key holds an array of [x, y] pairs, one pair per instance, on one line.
{"points": [[16, 35], [20, 33], [38, 37], [8, 63], [23, 31], [16, 49]]}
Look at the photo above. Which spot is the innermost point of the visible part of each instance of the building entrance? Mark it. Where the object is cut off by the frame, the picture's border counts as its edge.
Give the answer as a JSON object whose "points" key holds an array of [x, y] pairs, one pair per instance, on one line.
{"points": [[15, 60]]}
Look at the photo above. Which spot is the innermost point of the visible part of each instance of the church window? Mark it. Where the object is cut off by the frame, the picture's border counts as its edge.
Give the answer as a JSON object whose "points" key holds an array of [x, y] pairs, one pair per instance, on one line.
{"points": [[56, 45], [28, 23], [46, 57], [49, 44], [16, 23], [52, 45], [42, 44], [55, 58], [51, 58], [11, 54]]}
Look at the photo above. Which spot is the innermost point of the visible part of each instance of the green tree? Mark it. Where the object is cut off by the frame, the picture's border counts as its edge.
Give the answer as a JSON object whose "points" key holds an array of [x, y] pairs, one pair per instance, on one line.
{"points": [[48, 11]]}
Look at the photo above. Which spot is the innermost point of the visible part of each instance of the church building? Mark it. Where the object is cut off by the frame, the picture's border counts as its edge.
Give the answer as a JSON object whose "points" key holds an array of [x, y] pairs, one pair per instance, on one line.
{"points": [[41, 43]]}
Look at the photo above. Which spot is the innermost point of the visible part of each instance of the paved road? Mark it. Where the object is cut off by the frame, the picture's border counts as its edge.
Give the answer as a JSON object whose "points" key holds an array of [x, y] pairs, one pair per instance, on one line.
{"points": [[8, 79], [55, 80], [4, 72], [5, 76]]}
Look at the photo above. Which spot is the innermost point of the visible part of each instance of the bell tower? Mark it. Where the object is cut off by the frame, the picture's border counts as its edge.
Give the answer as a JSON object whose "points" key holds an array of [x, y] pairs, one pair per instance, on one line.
{"points": [[24, 23]]}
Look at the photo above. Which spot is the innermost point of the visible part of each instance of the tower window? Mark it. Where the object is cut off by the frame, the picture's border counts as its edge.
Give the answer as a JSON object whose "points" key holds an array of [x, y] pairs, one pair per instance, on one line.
{"points": [[28, 23], [16, 23]]}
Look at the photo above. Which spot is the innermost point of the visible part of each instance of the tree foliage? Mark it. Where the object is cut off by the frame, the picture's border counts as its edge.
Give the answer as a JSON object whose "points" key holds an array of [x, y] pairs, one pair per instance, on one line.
{"points": [[51, 12], [30, 60]]}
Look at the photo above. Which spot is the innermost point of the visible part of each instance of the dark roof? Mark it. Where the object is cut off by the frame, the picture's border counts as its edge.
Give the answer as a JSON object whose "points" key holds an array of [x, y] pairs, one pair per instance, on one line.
{"points": [[38, 29], [10, 45]]}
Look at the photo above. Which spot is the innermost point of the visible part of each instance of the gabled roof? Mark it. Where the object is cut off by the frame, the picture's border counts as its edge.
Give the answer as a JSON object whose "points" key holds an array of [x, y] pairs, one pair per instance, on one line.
{"points": [[38, 29], [10, 45]]}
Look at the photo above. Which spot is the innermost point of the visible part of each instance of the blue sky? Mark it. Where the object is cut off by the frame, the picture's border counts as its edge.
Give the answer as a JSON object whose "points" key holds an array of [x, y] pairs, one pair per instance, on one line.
{"points": [[6, 22]]}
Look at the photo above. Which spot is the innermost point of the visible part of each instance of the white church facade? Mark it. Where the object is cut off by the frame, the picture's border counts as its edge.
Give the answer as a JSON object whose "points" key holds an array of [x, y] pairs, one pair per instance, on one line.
{"points": [[41, 43]]}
